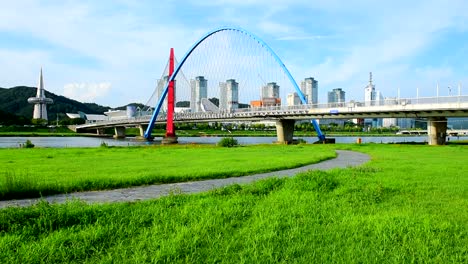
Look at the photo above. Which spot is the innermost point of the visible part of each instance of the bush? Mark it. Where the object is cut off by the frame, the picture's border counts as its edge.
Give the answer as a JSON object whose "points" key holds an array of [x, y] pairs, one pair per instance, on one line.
{"points": [[104, 144], [301, 141], [228, 142], [28, 144]]}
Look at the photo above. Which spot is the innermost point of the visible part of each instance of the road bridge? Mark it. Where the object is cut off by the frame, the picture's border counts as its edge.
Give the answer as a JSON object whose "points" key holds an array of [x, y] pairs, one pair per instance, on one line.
{"points": [[434, 109], [242, 67]]}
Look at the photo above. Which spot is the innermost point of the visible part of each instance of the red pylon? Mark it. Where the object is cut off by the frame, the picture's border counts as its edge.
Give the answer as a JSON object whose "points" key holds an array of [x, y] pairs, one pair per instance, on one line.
{"points": [[170, 128]]}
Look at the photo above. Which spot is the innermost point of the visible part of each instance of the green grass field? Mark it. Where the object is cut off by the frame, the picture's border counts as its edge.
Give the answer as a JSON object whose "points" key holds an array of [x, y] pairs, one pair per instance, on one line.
{"points": [[35, 172], [408, 205]]}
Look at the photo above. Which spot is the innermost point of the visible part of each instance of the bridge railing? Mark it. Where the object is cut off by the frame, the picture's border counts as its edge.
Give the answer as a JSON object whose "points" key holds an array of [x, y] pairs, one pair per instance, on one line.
{"points": [[277, 110]]}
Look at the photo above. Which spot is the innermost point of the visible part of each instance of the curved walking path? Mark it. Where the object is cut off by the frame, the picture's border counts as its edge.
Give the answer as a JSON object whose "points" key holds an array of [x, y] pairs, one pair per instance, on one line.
{"points": [[344, 159]]}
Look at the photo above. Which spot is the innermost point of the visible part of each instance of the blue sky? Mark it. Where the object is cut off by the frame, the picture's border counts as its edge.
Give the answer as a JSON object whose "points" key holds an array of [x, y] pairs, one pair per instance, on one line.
{"points": [[112, 52]]}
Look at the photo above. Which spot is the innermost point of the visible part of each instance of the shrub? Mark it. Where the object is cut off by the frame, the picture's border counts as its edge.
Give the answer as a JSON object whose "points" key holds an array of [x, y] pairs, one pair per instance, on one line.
{"points": [[301, 141], [104, 144], [28, 144], [228, 142]]}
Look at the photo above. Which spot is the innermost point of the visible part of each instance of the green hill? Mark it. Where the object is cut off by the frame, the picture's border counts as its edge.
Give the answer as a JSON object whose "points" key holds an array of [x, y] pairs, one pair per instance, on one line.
{"points": [[15, 101]]}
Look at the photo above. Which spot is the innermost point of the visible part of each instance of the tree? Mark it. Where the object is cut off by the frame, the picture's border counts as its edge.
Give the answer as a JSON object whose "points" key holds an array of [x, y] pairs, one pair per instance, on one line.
{"points": [[39, 121]]}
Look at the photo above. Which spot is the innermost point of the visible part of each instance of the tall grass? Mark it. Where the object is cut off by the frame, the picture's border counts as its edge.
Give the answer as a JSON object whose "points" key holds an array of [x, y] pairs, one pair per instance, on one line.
{"points": [[35, 172], [408, 205]]}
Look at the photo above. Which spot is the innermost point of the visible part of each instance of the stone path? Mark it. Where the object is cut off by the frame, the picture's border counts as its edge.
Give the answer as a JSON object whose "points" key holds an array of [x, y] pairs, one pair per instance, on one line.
{"points": [[344, 159]]}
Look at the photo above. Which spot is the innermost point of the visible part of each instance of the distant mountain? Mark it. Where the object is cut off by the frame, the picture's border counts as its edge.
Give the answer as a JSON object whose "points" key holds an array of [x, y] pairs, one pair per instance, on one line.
{"points": [[8, 119], [15, 101]]}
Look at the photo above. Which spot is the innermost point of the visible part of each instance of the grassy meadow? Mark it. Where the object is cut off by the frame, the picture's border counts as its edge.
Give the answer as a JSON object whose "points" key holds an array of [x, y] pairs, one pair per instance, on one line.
{"points": [[43, 171], [408, 205]]}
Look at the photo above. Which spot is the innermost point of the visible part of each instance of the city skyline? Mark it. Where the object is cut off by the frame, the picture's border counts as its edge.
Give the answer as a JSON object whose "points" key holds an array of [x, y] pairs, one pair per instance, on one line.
{"points": [[111, 54]]}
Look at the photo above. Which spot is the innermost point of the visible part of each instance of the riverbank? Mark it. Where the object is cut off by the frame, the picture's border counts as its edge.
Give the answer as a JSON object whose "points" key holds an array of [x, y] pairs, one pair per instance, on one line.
{"points": [[189, 134], [53, 134], [133, 132]]}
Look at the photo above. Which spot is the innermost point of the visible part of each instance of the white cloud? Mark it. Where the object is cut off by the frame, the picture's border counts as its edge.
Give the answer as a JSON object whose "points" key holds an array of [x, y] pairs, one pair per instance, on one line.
{"points": [[22, 67], [86, 92], [128, 45]]}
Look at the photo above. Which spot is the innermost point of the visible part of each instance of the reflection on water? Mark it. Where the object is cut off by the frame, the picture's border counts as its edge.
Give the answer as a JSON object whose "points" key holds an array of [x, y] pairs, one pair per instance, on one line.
{"points": [[64, 142]]}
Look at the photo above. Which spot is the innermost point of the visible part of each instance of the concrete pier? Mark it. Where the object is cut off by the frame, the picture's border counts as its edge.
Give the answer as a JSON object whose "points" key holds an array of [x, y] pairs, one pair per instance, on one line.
{"points": [[437, 130], [119, 132], [100, 131], [142, 129], [169, 140], [285, 131]]}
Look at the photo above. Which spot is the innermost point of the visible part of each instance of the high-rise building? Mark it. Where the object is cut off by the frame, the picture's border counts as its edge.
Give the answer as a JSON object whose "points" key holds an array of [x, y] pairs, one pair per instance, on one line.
{"points": [[222, 96], [270, 95], [232, 94], [336, 97], [389, 122], [372, 97], [229, 95], [406, 123], [271, 90], [309, 87], [370, 94], [199, 90], [160, 89], [293, 99], [40, 101]]}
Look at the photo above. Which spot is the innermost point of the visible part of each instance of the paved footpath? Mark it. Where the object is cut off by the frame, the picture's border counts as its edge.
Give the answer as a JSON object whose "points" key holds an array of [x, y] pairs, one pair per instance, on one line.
{"points": [[344, 159]]}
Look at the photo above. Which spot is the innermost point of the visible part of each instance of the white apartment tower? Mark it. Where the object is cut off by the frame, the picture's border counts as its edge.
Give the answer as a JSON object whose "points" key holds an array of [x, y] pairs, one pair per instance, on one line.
{"points": [[199, 90], [271, 90], [160, 89], [336, 96], [293, 99], [229, 95], [309, 87], [370, 95]]}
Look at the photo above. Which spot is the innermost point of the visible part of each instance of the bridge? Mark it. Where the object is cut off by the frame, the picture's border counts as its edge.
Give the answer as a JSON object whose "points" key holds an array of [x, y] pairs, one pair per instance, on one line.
{"points": [[246, 68], [434, 109]]}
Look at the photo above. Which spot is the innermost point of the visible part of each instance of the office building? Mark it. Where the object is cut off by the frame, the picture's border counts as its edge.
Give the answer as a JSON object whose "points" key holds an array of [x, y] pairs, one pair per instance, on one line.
{"points": [[199, 90], [228, 95], [336, 97], [271, 90], [309, 87], [270, 95], [293, 99], [160, 89]]}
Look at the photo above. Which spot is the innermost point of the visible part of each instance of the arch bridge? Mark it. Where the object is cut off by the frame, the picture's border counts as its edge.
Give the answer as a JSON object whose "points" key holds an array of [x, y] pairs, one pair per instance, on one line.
{"points": [[436, 109]]}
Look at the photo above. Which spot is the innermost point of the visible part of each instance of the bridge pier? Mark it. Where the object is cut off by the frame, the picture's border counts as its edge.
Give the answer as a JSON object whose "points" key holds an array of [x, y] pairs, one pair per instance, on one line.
{"points": [[437, 130], [119, 132], [285, 131], [100, 131], [142, 129]]}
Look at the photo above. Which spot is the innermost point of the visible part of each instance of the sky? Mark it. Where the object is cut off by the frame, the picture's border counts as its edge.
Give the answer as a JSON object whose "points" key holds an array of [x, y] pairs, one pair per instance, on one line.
{"points": [[112, 52]]}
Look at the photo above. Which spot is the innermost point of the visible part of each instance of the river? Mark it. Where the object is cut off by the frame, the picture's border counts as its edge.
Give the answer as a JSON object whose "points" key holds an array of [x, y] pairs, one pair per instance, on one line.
{"points": [[64, 142]]}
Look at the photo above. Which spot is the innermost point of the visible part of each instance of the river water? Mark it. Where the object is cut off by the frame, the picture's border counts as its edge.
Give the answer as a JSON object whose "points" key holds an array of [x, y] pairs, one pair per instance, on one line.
{"points": [[64, 142]]}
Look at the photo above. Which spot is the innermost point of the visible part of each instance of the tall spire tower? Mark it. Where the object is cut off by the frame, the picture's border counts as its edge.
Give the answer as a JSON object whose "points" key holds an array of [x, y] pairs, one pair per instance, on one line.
{"points": [[370, 94], [40, 101]]}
